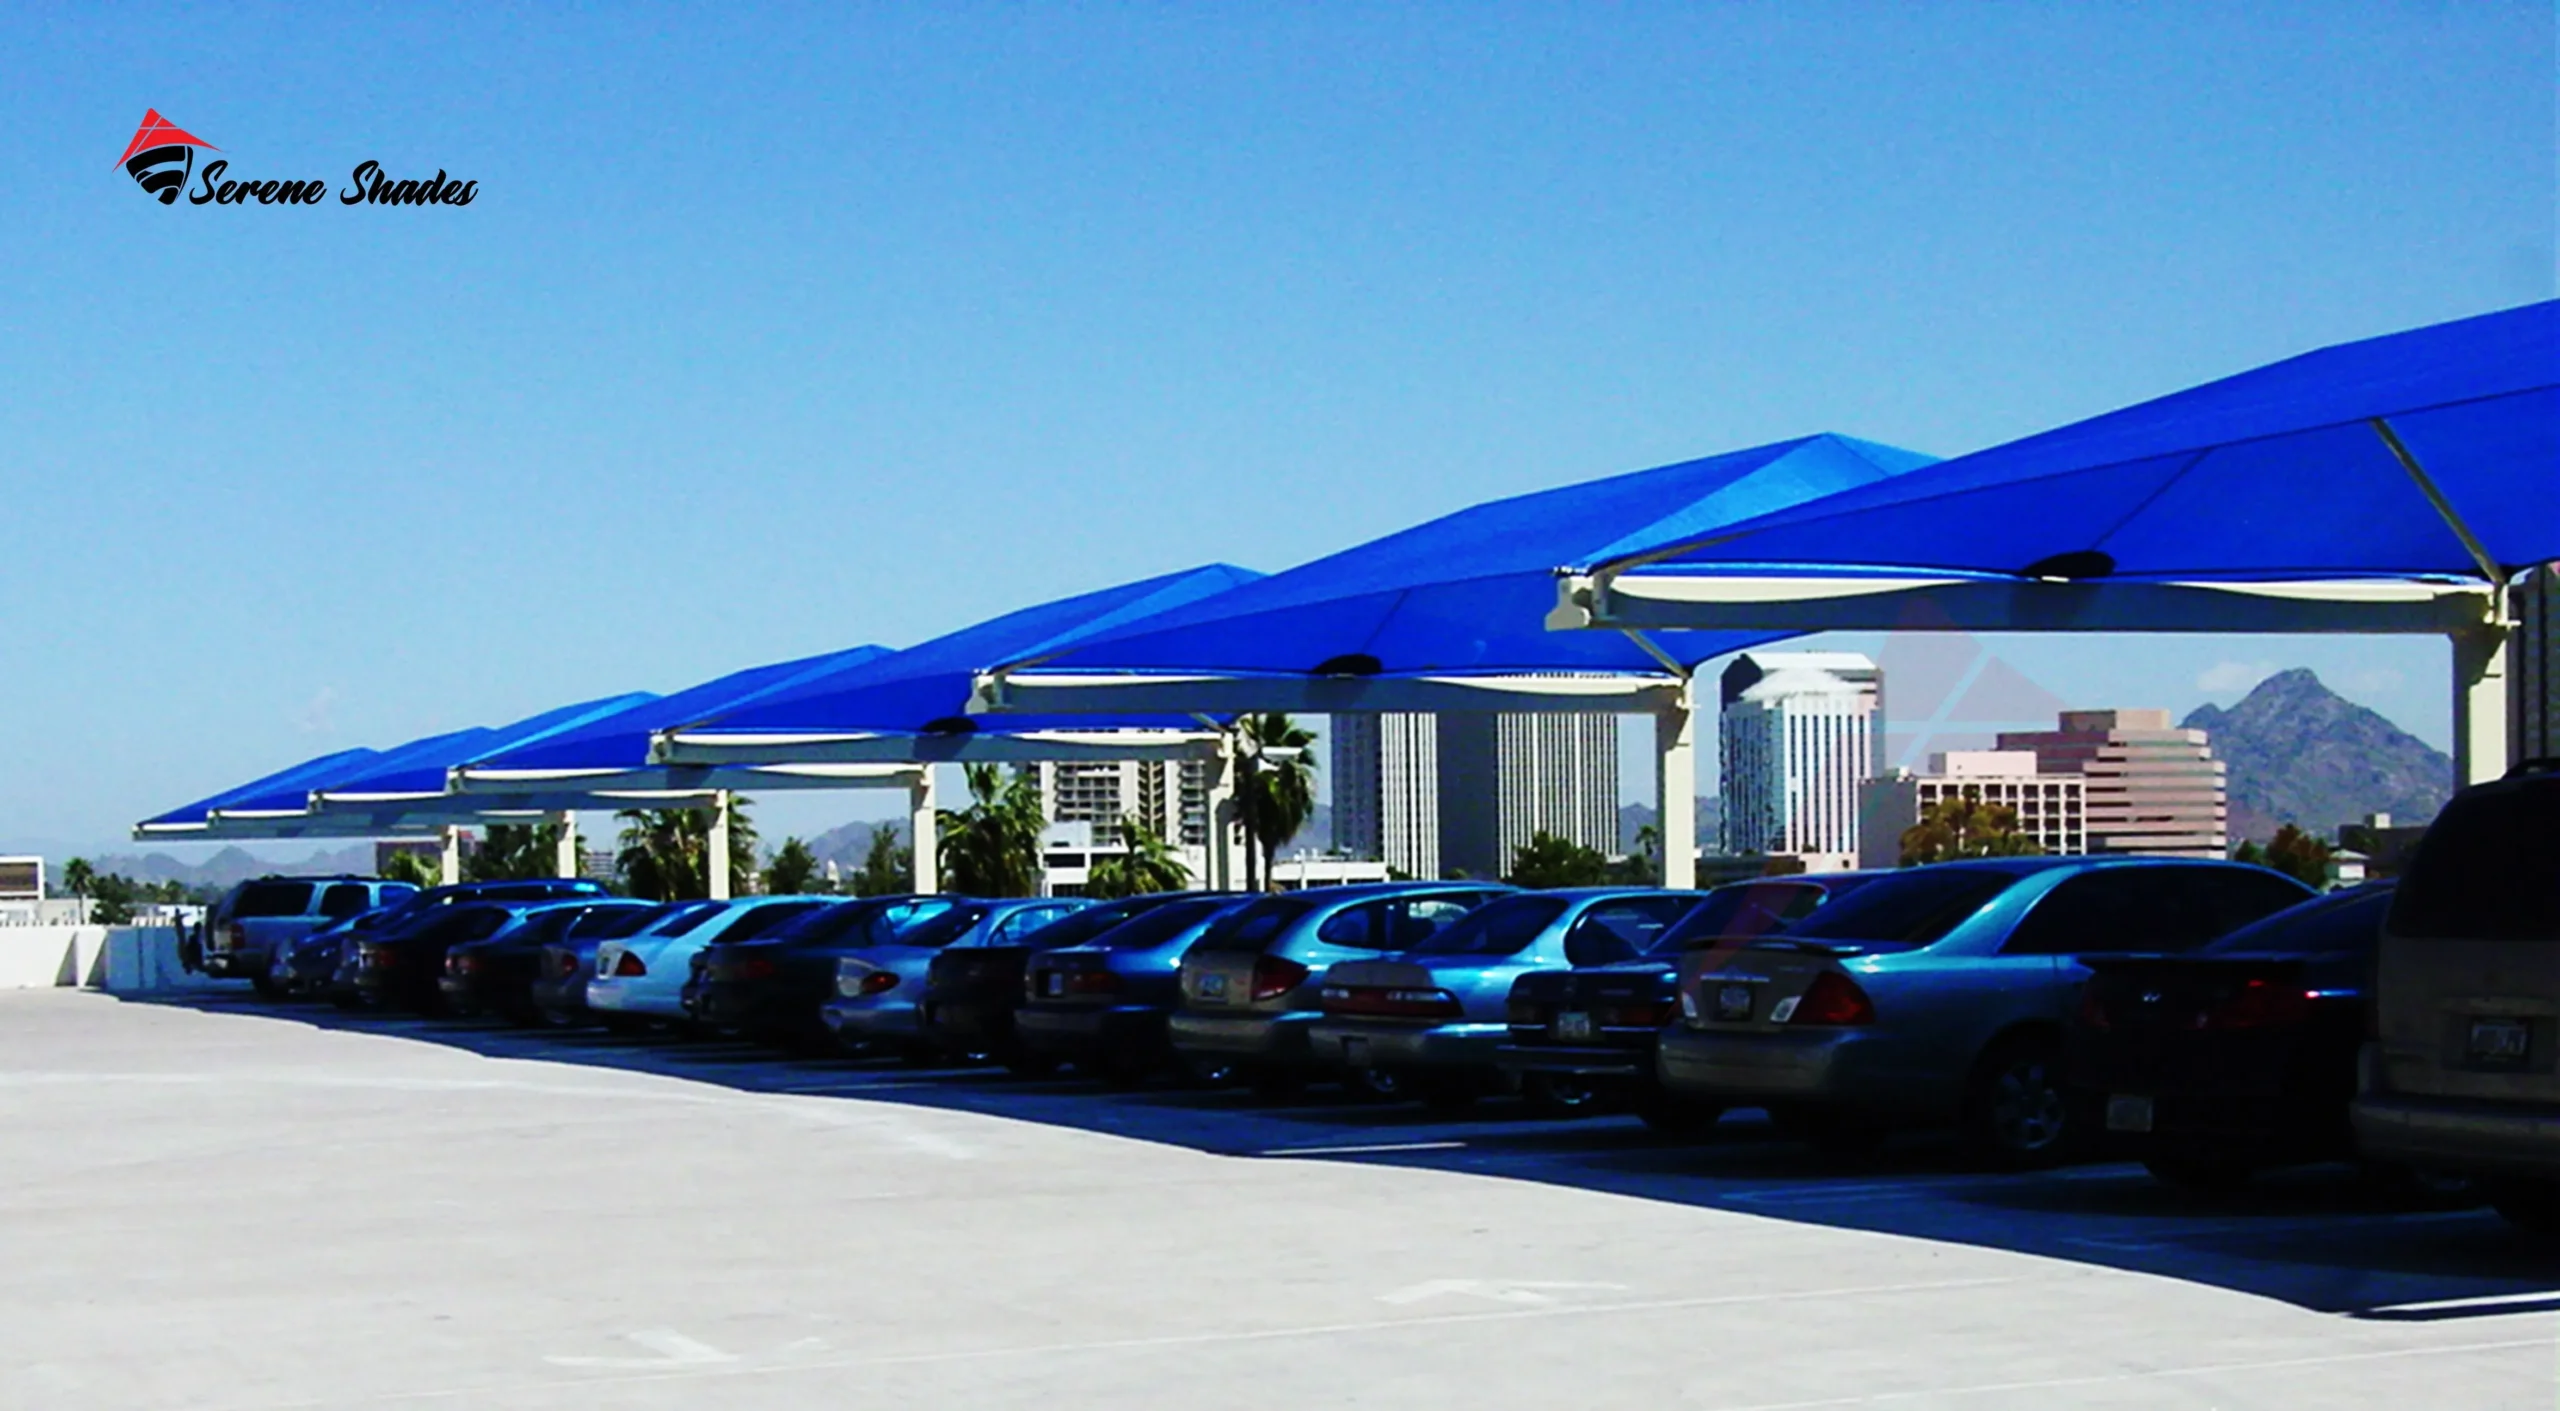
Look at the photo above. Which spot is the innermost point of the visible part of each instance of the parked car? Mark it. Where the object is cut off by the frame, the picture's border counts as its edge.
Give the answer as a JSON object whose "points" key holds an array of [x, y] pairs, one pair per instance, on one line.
{"points": [[1251, 986], [1584, 1038], [1938, 995], [2239, 1055], [971, 992], [559, 990], [401, 963], [345, 969], [303, 965], [1102, 1005], [245, 924], [880, 989], [2461, 1074], [495, 976], [1428, 1022], [773, 987], [639, 979]]}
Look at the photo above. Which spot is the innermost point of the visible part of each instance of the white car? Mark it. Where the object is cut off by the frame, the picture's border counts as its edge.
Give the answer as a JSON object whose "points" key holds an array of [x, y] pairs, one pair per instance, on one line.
{"points": [[642, 976]]}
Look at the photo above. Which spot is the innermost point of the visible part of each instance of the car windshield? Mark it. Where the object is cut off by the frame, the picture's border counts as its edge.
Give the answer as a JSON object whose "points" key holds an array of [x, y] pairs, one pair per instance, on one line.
{"points": [[943, 927], [272, 899], [2340, 921], [1912, 908], [1253, 927], [1164, 923], [1502, 927], [1077, 927], [1742, 909], [2488, 868]]}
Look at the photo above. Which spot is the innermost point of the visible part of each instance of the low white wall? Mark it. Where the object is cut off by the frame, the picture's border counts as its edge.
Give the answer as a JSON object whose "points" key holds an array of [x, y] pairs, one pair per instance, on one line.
{"points": [[119, 959]]}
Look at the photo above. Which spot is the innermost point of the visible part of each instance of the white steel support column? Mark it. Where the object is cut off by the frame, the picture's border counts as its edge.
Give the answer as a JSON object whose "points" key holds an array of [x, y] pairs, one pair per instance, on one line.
{"points": [[715, 860], [924, 832], [1222, 818], [449, 855], [2481, 733], [564, 855], [1675, 773]]}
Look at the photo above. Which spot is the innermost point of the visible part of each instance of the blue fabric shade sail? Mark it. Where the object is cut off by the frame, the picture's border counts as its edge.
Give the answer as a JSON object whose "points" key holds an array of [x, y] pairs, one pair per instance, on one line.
{"points": [[620, 740], [1465, 593], [924, 690], [293, 782], [2276, 474]]}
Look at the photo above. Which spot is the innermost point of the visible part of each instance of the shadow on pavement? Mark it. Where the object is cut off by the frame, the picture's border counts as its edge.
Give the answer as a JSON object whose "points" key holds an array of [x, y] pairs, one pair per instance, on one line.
{"points": [[2315, 1237]]}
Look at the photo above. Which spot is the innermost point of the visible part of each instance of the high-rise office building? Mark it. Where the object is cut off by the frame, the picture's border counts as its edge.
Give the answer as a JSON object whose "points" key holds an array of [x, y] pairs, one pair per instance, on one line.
{"points": [[1434, 796], [2052, 809], [1798, 735], [1173, 798], [2150, 787]]}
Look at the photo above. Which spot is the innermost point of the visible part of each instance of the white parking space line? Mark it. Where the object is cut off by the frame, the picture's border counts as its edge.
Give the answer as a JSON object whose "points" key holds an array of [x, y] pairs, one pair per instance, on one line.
{"points": [[1360, 1148]]}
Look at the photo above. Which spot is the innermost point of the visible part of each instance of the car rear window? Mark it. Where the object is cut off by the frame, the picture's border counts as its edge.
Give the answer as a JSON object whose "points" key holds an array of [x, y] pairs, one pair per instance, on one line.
{"points": [[345, 899], [612, 922], [686, 922], [1165, 923], [2340, 921], [1912, 908], [1612, 931], [942, 928], [2488, 868], [272, 899], [760, 919], [1082, 925], [1504, 927], [1744, 909], [1254, 926]]}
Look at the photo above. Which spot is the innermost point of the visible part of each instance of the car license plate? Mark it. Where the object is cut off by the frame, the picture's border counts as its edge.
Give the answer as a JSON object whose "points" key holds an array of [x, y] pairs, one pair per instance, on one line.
{"points": [[1573, 1026], [1733, 1003], [2500, 1041], [2127, 1113], [1213, 987], [1355, 1053], [1054, 983]]}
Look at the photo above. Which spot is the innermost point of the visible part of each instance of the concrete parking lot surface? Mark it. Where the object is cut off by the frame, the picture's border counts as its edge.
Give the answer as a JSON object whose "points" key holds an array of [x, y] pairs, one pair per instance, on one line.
{"points": [[225, 1206]]}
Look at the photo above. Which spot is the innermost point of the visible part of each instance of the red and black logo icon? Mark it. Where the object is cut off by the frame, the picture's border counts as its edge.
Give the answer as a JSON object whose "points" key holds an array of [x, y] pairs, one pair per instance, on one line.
{"points": [[161, 155]]}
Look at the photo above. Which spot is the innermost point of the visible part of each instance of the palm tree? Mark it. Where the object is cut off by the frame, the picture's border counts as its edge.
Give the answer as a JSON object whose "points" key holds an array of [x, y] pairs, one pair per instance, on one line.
{"points": [[792, 869], [662, 850], [1277, 794], [79, 878], [1965, 827], [888, 868], [992, 847], [1148, 866], [514, 851]]}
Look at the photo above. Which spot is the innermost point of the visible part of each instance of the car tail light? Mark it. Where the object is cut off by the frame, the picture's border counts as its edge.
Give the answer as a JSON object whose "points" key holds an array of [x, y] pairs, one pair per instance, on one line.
{"points": [[1833, 998], [629, 963], [377, 957], [2093, 1009], [2258, 1004], [879, 982], [558, 964], [1274, 977], [1092, 982], [757, 969], [239, 935], [1392, 1003]]}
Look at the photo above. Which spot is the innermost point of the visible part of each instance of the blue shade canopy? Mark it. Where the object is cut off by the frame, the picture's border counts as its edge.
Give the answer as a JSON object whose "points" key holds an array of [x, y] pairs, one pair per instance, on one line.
{"points": [[926, 687], [1466, 593], [418, 769], [620, 739], [2274, 474], [294, 782]]}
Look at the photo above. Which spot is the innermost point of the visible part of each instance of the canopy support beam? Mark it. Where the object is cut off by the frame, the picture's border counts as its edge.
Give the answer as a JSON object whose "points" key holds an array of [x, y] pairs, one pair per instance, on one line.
{"points": [[564, 851], [715, 852], [1066, 694], [1675, 772], [1222, 818], [924, 833], [449, 855]]}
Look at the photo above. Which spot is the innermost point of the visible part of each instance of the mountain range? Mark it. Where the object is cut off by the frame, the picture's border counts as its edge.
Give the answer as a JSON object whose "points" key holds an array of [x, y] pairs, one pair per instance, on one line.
{"points": [[2300, 753]]}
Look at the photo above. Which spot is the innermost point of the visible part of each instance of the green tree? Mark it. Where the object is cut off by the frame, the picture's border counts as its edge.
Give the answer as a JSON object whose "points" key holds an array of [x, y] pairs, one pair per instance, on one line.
{"points": [[2299, 855], [1642, 867], [2249, 852], [112, 897], [415, 868], [1965, 826], [792, 869], [79, 878], [662, 850], [992, 847], [1148, 866], [1276, 794], [514, 852], [888, 867], [1549, 861]]}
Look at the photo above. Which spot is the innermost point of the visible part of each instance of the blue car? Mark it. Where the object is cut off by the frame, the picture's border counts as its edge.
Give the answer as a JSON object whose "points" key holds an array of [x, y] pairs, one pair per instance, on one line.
{"points": [[1939, 996], [639, 979], [880, 989], [1429, 1023], [1101, 1005], [242, 931]]}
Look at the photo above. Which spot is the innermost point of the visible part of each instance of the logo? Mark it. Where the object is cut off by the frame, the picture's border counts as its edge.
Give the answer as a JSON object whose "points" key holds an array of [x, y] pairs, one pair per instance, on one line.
{"points": [[162, 159], [162, 155]]}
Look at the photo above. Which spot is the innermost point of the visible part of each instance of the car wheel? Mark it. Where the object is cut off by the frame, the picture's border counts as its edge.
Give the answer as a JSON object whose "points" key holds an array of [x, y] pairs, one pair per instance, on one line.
{"points": [[2016, 1111], [2200, 1175], [1377, 1085], [2530, 1206], [1559, 1095], [1677, 1118]]}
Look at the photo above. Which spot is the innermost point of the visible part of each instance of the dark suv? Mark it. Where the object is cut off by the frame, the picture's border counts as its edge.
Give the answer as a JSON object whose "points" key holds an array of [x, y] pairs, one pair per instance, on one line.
{"points": [[244, 927], [2463, 1073]]}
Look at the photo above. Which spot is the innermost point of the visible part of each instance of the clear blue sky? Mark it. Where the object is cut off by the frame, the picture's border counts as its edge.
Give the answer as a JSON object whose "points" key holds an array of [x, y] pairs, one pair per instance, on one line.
{"points": [[775, 329]]}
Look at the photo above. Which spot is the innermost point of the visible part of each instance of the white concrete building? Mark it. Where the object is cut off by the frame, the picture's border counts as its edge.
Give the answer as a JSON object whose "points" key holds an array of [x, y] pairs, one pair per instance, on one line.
{"points": [[1175, 799], [2152, 787], [2051, 808], [1799, 735], [1432, 796]]}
